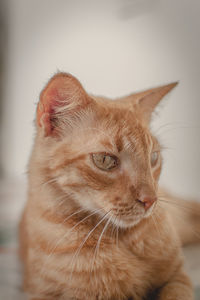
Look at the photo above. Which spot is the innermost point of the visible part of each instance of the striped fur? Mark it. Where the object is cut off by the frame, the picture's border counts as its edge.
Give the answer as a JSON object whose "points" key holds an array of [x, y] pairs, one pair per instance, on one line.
{"points": [[84, 234]]}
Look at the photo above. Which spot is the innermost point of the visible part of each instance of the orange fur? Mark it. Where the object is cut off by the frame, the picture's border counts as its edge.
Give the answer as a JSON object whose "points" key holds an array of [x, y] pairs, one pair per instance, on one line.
{"points": [[85, 232]]}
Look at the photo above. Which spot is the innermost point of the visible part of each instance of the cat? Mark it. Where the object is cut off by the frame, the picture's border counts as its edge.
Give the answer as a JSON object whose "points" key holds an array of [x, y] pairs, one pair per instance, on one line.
{"points": [[95, 225]]}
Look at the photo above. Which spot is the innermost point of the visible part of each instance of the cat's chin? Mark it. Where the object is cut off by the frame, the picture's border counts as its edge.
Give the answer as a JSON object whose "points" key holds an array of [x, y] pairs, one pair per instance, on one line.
{"points": [[132, 218], [124, 224], [128, 223]]}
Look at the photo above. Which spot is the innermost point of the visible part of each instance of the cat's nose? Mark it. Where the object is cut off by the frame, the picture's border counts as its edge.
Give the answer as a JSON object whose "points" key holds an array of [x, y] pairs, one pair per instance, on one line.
{"points": [[147, 201]]}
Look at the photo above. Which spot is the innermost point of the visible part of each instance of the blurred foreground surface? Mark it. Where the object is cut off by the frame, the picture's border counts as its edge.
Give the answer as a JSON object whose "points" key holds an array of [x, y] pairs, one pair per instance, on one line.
{"points": [[12, 199]]}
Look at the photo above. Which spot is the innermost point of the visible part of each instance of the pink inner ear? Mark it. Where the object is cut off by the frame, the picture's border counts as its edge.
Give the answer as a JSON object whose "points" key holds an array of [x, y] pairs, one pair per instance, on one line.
{"points": [[50, 99], [46, 107], [60, 90]]}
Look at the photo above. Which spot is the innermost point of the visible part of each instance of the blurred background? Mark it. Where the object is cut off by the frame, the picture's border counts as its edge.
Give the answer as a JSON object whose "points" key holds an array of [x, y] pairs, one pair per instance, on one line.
{"points": [[114, 48]]}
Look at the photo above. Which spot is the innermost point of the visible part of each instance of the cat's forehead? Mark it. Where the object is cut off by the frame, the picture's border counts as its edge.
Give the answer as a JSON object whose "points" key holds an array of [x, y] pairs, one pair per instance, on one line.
{"points": [[110, 127], [124, 128]]}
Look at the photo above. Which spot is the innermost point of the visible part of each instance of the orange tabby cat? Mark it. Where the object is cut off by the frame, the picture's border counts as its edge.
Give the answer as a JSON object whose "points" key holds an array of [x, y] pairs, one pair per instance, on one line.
{"points": [[94, 226]]}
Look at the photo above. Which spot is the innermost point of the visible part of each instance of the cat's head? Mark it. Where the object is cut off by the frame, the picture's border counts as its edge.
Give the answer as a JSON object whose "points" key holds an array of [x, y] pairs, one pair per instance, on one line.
{"points": [[100, 151]]}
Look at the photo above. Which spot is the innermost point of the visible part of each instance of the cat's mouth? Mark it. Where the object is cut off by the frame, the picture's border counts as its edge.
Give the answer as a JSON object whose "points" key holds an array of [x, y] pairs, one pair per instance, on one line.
{"points": [[125, 219]]}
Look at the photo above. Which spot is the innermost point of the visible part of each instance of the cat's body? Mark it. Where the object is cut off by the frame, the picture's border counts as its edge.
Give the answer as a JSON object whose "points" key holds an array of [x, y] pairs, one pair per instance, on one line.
{"points": [[138, 260], [93, 228]]}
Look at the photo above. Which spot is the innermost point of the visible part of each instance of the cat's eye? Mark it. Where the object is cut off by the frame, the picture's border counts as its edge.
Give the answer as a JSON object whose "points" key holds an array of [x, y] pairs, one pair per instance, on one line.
{"points": [[154, 158], [105, 161]]}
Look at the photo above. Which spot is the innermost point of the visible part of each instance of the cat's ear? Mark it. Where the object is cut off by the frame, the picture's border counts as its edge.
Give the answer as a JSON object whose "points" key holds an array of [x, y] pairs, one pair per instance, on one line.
{"points": [[145, 102], [62, 97]]}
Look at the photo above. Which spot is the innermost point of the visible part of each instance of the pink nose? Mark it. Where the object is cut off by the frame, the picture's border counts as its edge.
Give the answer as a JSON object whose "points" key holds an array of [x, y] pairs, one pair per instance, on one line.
{"points": [[147, 202]]}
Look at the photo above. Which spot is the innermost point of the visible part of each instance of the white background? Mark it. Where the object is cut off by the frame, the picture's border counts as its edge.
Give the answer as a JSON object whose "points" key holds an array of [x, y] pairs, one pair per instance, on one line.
{"points": [[114, 47]]}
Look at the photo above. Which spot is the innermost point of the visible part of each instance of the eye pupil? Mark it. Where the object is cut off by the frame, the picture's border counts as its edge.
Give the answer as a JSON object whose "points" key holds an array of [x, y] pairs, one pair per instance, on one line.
{"points": [[104, 161]]}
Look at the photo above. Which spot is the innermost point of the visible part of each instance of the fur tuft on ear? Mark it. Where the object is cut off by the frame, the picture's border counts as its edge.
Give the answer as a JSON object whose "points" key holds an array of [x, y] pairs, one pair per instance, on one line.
{"points": [[63, 95]]}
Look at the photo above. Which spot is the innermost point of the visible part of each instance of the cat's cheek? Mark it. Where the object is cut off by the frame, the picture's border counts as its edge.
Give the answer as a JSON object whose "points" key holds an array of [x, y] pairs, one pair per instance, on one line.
{"points": [[67, 178], [86, 201]]}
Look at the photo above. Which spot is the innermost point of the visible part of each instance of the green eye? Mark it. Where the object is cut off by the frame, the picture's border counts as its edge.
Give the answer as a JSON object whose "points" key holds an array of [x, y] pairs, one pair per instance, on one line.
{"points": [[154, 158], [105, 161]]}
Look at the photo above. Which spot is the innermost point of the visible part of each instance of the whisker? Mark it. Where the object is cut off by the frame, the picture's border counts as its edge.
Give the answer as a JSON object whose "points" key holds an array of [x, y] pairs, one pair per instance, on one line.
{"points": [[84, 241], [48, 181], [182, 220], [180, 205], [75, 213], [192, 230], [113, 227], [179, 125], [65, 235], [117, 235], [117, 229], [99, 241], [63, 198]]}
